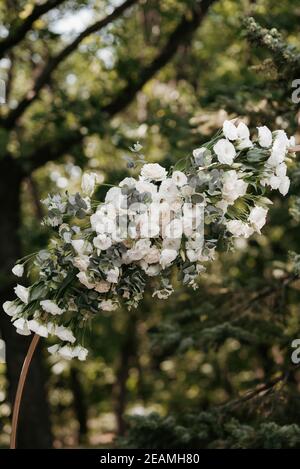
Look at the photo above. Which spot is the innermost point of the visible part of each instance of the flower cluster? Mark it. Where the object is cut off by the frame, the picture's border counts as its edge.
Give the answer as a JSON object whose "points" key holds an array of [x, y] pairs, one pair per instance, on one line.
{"points": [[103, 253]]}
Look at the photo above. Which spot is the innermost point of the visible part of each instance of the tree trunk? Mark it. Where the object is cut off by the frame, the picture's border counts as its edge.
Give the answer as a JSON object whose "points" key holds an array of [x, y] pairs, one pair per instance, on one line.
{"points": [[79, 405], [128, 351], [34, 424]]}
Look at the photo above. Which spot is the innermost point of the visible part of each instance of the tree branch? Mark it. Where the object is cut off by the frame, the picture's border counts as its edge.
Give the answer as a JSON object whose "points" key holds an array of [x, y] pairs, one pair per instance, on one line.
{"points": [[16, 35], [180, 35], [45, 75]]}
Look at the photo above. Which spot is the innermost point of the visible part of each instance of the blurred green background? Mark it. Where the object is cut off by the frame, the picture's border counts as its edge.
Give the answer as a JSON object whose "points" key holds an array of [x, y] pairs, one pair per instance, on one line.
{"points": [[210, 368]]}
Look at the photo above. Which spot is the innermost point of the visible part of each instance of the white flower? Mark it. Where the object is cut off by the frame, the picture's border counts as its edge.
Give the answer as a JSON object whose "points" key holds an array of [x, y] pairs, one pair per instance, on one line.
{"points": [[167, 256], [193, 254], [53, 349], [138, 251], [233, 186], [128, 181], [225, 151], [168, 190], [230, 130], [102, 242], [243, 132], [112, 275], [22, 326], [108, 305], [152, 256], [174, 229], [264, 136], [279, 148], [244, 143], [239, 229], [38, 328], [18, 270], [102, 286], [202, 156], [284, 185], [83, 278], [62, 332], [66, 352], [257, 217], [179, 178], [281, 170], [145, 186], [22, 293], [153, 172], [11, 308], [81, 246], [80, 352], [81, 262], [51, 307], [151, 270], [88, 183]]}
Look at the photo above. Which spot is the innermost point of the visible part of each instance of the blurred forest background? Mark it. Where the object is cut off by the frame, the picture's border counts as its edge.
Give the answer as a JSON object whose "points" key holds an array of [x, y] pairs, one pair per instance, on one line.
{"points": [[84, 81]]}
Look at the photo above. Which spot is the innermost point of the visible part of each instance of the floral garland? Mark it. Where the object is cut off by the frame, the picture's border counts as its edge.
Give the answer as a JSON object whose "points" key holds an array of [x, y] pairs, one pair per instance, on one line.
{"points": [[102, 253]]}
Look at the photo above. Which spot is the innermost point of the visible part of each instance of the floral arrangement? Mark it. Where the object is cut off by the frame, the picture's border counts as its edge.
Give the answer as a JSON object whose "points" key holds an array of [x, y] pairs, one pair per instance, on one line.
{"points": [[102, 254]]}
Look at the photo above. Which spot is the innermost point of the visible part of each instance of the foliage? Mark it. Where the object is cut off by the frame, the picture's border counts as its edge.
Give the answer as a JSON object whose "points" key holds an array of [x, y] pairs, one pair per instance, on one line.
{"points": [[187, 358]]}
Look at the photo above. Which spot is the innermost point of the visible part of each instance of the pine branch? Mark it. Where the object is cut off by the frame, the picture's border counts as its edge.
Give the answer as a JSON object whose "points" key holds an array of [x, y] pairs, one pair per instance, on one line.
{"points": [[45, 74], [16, 35], [182, 33]]}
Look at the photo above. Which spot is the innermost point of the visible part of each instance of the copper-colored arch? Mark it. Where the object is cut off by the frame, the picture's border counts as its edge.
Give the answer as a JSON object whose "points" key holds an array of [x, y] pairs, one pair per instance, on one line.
{"points": [[294, 149], [20, 388]]}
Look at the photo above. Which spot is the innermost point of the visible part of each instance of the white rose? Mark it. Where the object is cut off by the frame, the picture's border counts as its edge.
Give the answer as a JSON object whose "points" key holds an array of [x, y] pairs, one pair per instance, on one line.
{"points": [[66, 352], [284, 185], [81, 246], [22, 293], [243, 131], [102, 242], [238, 228], [230, 130], [51, 307], [274, 182], [179, 178], [38, 328], [128, 181], [80, 352], [11, 308], [18, 270], [22, 326], [83, 278], [174, 229], [225, 151], [151, 270], [264, 136], [108, 305], [198, 155], [112, 276], [152, 256], [279, 148], [153, 172], [258, 217], [244, 143], [81, 262], [88, 183], [53, 349], [233, 187], [167, 256], [144, 186], [62, 332]]}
